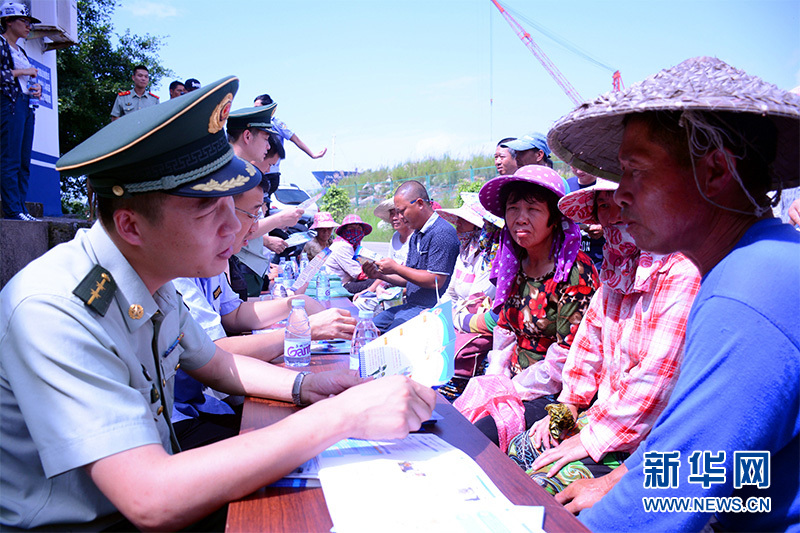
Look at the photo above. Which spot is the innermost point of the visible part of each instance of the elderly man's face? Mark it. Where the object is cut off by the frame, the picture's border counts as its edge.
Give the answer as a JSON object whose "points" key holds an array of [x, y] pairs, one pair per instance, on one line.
{"points": [[504, 162], [659, 200]]}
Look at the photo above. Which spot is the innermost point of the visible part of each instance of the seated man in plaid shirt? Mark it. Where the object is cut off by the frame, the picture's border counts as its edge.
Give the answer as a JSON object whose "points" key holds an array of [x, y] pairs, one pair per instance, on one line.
{"points": [[625, 358]]}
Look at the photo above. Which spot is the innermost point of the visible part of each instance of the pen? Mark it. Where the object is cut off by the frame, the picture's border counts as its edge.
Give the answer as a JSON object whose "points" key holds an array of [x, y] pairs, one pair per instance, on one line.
{"points": [[174, 345]]}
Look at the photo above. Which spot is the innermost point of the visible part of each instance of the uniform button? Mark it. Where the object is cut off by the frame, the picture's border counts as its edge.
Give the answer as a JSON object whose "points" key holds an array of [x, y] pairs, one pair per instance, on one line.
{"points": [[160, 410], [177, 366], [164, 382]]}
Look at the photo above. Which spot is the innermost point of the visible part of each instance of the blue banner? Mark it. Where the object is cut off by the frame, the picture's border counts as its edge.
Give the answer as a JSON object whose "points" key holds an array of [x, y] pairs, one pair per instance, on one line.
{"points": [[46, 81]]}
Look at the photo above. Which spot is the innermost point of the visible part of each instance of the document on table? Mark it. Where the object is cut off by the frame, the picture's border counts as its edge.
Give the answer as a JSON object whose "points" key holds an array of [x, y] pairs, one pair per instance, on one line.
{"points": [[420, 483]]}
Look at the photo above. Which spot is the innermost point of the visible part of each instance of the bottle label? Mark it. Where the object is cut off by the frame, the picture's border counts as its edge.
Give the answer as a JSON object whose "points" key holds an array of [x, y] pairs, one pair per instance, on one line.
{"points": [[296, 349]]}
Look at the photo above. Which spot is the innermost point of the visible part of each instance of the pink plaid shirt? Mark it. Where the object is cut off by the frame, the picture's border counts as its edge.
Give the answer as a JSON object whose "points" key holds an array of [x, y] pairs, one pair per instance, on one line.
{"points": [[628, 351]]}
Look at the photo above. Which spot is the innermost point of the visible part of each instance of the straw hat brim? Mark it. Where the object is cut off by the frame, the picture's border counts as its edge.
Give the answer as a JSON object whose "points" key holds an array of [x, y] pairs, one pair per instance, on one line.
{"points": [[452, 215], [590, 136], [383, 209]]}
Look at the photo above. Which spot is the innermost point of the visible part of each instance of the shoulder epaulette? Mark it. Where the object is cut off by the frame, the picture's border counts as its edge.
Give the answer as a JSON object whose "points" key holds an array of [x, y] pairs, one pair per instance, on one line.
{"points": [[97, 289], [154, 95], [124, 93]]}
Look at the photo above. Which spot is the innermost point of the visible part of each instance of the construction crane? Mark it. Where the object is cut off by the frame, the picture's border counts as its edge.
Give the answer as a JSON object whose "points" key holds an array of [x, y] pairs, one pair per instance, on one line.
{"points": [[548, 65]]}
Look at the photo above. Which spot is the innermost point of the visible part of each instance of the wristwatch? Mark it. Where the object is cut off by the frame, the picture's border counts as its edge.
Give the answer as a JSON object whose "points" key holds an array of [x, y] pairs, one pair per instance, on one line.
{"points": [[298, 383]]}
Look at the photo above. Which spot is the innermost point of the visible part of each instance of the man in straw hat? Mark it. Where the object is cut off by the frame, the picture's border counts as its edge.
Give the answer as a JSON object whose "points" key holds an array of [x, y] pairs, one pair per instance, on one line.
{"points": [[696, 148], [86, 427]]}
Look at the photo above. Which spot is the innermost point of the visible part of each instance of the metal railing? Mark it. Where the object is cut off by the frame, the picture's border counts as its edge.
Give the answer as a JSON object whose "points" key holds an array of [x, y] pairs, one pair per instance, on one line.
{"points": [[442, 187]]}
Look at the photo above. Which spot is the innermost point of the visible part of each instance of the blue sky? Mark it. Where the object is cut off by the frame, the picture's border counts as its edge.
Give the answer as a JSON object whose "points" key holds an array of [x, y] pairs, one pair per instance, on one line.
{"points": [[382, 82]]}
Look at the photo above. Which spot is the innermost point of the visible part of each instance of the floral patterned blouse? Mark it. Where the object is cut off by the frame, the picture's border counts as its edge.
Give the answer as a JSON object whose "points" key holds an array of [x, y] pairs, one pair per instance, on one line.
{"points": [[542, 311]]}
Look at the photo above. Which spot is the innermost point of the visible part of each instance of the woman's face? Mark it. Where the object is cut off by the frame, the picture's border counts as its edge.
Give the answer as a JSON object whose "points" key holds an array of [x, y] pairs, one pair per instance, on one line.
{"points": [[462, 226], [398, 222], [324, 234], [19, 27], [607, 209], [527, 221]]}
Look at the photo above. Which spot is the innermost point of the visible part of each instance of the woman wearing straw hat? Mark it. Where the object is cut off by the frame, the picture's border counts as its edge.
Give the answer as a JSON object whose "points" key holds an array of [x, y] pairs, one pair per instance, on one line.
{"points": [[382, 292], [324, 226], [340, 262], [470, 290], [625, 358], [470, 275], [402, 231], [544, 284]]}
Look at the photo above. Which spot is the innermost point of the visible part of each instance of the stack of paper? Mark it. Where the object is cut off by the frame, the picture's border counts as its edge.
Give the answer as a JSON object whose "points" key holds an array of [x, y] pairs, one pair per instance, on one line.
{"points": [[420, 483]]}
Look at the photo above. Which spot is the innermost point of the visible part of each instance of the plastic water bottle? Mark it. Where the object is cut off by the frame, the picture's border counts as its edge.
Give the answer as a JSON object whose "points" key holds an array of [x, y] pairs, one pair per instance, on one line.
{"points": [[303, 262], [33, 103], [282, 266], [365, 332], [287, 287], [297, 339], [278, 288], [323, 288]]}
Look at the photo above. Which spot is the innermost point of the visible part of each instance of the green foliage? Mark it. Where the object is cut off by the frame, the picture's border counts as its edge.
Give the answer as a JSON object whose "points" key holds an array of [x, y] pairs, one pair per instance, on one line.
{"points": [[417, 169], [381, 232], [467, 186], [91, 74], [335, 201]]}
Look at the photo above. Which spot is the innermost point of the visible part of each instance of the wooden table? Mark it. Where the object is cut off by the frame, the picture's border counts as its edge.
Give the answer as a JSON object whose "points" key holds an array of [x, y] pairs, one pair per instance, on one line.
{"points": [[290, 509]]}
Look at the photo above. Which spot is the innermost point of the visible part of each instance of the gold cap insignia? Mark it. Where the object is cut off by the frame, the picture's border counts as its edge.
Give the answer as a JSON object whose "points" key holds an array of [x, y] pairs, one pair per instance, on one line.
{"points": [[220, 114], [226, 185], [135, 311], [117, 190]]}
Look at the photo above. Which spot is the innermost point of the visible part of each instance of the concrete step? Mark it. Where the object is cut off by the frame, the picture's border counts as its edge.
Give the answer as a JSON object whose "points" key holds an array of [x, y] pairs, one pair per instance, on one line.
{"points": [[21, 242]]}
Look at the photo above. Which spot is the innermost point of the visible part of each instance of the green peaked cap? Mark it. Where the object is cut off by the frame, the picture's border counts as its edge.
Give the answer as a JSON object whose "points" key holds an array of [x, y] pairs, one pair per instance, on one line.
{"points": [[178, 147], [253, 117]]}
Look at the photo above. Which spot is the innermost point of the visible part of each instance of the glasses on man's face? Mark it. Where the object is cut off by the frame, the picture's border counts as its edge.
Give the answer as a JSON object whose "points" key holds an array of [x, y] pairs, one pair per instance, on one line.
{"points": [[254, 217]]}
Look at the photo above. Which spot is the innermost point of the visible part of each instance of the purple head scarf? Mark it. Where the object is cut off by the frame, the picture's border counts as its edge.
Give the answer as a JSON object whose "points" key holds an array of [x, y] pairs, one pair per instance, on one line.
{"points": [[506, 265]]}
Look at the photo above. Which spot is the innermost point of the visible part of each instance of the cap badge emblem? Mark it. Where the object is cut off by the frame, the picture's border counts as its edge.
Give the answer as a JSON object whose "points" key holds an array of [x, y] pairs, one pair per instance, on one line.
{"points": [[220, 114]]}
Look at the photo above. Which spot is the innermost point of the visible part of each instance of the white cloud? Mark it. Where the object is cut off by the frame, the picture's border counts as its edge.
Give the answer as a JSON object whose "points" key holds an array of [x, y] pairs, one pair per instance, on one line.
{"points": [[151, 9]]}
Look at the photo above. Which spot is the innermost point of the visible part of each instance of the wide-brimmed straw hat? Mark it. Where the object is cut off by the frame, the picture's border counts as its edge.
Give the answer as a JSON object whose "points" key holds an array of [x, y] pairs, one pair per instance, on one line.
{"points": [[383, 209], [590, 136], [466, 212], [472, 211], [354, 219], [579, 205], [323, 219], [491, 194]]}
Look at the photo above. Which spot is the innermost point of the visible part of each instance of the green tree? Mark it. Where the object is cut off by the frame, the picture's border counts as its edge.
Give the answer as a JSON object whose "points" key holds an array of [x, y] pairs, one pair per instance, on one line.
{"points": [[336, 202], [90, 75]]}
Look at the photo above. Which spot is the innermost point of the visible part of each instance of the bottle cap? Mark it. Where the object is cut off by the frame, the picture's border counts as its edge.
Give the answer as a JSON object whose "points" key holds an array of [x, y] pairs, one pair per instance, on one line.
{"points": [[363, 313], [298, 302]]}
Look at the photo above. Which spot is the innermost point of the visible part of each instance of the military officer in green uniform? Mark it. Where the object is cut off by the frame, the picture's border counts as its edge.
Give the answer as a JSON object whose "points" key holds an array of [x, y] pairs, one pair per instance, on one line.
{"points": [[92, 333], [139, 98]]}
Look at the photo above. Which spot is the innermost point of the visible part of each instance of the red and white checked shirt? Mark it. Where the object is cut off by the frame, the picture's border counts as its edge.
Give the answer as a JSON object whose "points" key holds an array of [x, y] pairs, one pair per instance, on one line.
{"points": [[628, 350]]}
